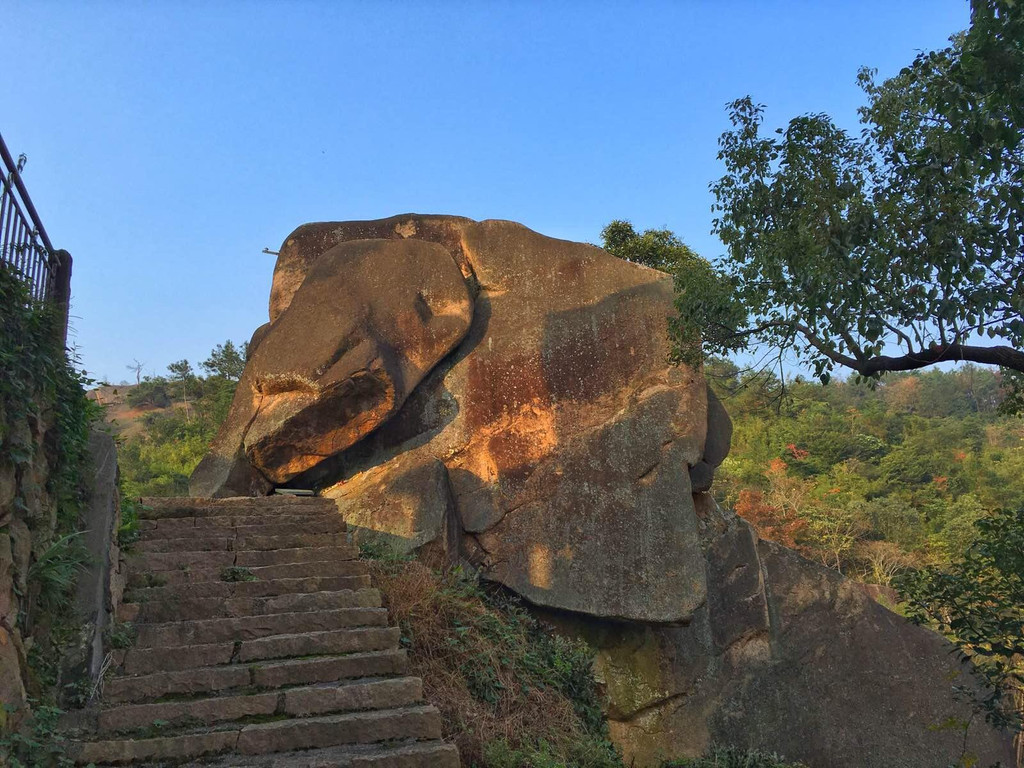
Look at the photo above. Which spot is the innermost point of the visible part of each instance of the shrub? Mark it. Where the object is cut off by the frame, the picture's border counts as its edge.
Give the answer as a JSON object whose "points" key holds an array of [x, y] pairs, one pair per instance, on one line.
{"points": [[510, 692]]}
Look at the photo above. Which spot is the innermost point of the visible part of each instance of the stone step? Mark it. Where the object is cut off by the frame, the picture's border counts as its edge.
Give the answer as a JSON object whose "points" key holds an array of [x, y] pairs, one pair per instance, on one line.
{"points": [[399, 754], [306, 701], [145, 661], [205, 541], [158, 562], [238, 589], [263, 525], [209, 631], [163, 508], [258, 573], [420, 722], [320, 643], [273, 674], [423, 722], [189, 609]]}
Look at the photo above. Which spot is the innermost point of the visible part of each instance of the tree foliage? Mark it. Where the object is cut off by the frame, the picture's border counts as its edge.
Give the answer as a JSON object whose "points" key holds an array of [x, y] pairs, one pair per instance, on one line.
{"points": [[890, 250], [870, 480], [978, 602], [705, 294], [227, 360], [159, 461]]}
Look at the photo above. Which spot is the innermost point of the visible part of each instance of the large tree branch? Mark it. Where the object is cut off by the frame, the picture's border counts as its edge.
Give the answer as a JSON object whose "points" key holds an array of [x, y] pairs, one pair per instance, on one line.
{"points": [[1003, 356], [1006, 357]]}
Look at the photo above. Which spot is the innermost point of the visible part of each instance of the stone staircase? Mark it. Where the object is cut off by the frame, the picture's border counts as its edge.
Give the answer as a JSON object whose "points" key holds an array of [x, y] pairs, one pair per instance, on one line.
{"points": [[258, 641]]}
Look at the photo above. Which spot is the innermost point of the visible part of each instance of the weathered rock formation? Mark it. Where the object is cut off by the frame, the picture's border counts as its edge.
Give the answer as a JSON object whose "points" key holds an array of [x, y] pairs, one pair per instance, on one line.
{"points": [[476, 391]]}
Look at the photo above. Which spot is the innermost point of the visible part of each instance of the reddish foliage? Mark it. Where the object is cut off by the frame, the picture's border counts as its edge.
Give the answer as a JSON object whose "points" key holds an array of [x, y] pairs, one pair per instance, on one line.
{"points": [[771, 523], [797, 453]]}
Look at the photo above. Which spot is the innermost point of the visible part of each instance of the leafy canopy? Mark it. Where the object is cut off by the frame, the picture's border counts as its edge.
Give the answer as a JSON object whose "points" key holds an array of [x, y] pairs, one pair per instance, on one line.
{"points": [[978, 603], [227, 360], [706, 295], [892, 250]]}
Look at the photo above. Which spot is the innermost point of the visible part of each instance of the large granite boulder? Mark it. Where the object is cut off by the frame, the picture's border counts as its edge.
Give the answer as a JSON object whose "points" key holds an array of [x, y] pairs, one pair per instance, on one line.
{"points": [[478, 392], [370, 320]]}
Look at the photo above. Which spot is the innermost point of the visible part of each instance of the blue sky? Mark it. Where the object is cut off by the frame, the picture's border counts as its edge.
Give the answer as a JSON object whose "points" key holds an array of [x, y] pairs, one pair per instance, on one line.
{"points": [[169, 143]]}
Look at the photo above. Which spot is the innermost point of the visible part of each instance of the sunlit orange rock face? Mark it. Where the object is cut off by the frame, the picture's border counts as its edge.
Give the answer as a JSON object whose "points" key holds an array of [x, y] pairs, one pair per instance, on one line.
{"points": [[476, 392]]}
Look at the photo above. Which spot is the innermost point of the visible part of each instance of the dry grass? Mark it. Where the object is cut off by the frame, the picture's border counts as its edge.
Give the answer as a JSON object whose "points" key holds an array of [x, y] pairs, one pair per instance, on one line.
{"points": [[510, 693]]}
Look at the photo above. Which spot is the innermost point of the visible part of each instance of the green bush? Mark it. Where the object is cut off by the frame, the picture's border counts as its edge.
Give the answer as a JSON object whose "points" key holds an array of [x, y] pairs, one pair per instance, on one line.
{"points": [[54, 572], [151, 392], [40, 745], [41, 388]]}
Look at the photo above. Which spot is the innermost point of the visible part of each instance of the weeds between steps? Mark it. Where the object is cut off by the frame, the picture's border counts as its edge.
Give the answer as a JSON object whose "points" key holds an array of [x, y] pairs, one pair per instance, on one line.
{"points": [[733, 757], [235, 573], [511, 695]]}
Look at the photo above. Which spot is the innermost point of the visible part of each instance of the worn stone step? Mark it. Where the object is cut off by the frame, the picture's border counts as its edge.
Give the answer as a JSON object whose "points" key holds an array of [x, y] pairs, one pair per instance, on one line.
{"points": [[397, 754], [272, 674], [304, 701], [143, 562], [190, 609], [157, 562], [306, 554], [145, 661], [162, 508], [222, 542], [262, 525], [267, 572], [170, 748], [405, 753], [421, 722], [207, 631], [320, 643], [238, 589]]}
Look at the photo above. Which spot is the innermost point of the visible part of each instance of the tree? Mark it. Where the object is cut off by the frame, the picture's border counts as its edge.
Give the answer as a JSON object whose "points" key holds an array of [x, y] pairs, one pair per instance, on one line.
{"points": [[182, 372], [885, 561], [150, 392], [699, 287], [978, 602], [136, 368], [227, 360], [892, 250]]}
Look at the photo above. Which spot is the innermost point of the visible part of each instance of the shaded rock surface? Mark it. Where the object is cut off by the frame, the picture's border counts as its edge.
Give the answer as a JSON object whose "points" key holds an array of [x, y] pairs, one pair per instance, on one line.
{"points": [[529, 423]]}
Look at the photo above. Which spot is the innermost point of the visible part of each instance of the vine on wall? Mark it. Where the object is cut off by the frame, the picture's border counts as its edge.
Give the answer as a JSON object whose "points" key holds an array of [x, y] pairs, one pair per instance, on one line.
{"points": [[45, 420]]}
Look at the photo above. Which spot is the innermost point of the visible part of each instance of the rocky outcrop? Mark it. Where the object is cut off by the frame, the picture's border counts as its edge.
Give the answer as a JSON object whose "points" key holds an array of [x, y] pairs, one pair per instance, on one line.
{"points": [[352, 346], [565, 433], [476, 391]]}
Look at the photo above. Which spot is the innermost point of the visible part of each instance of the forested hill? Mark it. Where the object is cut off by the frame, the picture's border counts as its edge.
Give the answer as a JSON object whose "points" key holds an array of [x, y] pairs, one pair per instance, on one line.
{"points": [[870, 480]]}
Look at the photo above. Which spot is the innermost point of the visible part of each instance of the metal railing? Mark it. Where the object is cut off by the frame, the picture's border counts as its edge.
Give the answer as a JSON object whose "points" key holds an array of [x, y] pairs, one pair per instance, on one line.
{"points": [[24, 243]]}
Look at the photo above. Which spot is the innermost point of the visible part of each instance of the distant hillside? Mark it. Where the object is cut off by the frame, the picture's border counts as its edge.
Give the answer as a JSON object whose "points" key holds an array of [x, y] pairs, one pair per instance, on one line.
{"points": [[126, 420], [871, 480]]}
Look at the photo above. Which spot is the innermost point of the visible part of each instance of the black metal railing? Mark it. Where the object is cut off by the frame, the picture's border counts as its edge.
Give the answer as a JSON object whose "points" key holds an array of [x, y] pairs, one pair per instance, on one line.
{"points": [[24, 243]]}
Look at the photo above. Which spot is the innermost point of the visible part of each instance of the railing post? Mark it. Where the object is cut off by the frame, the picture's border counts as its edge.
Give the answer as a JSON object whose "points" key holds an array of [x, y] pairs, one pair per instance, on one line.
{"points": [[60, 286]]}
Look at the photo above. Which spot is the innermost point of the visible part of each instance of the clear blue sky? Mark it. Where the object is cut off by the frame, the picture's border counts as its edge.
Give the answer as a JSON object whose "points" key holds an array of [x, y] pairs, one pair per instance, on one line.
{"points": [[169, 143]]}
